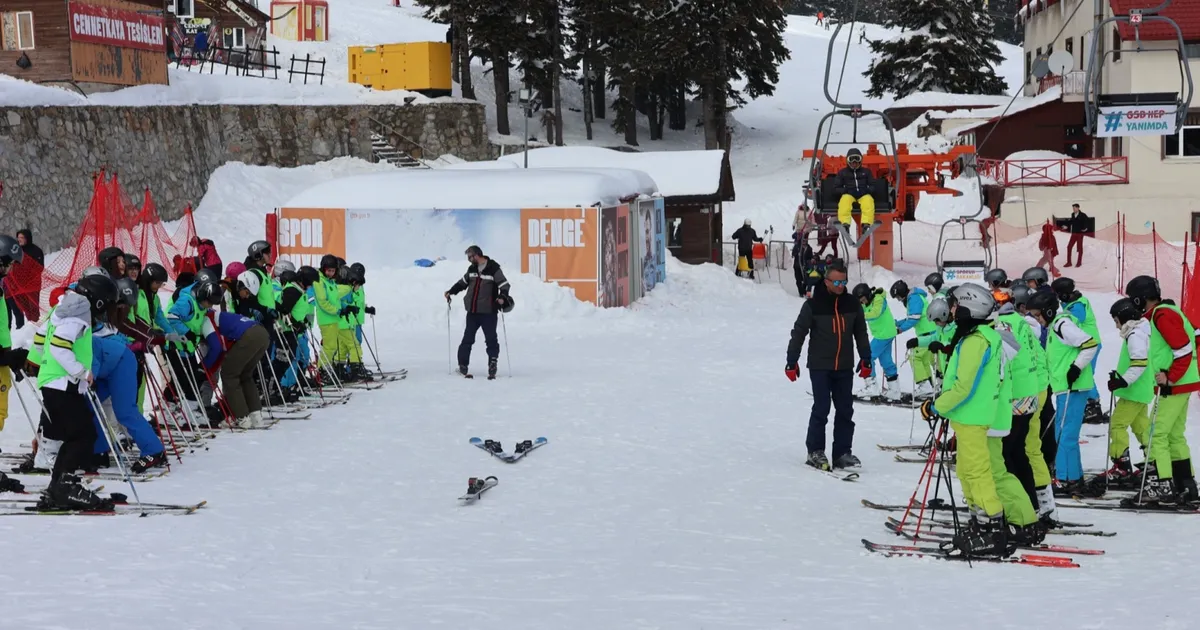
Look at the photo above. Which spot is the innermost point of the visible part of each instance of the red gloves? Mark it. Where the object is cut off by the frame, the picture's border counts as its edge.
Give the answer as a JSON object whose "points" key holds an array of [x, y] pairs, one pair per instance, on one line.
{"points": [[864, 368], [792, 372]]}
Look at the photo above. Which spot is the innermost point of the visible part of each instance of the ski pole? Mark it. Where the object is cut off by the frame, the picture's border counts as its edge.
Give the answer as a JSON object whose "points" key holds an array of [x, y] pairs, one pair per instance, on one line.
{"points": [[374, 357], [1108, 439], [1149, 449], [109, 435], [29, 418], [449, 342], [374, 339], [507, 357]]}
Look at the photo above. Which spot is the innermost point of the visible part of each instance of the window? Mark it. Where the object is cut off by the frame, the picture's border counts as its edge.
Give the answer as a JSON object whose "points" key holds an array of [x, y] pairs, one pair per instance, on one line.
{"points": [[1185, 143], [1029, 66], [1116, 56], [16, 30], [1196, 227], [1083, 52], [1117, 147], [674, 237], [182, 8], [233, 37], [1191, 50], [1069, 45]]}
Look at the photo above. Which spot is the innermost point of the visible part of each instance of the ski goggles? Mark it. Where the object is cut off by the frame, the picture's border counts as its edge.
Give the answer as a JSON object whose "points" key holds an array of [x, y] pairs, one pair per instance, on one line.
{"points": [[838, 283]]}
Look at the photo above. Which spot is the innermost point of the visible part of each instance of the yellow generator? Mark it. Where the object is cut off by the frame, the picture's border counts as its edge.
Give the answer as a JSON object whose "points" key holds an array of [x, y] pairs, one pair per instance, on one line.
{"points": [[416, 66]]}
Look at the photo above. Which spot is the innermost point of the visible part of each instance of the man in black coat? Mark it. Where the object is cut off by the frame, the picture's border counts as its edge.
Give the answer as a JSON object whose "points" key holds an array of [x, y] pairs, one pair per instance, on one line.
{"points": [[487, 297], [1078, 225], [746, 237], [835, 322]]}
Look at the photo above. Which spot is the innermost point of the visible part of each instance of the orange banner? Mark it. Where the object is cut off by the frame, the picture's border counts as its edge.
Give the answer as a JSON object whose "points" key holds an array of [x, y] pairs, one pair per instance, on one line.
{"points": [[307, 234], [561, 246]]}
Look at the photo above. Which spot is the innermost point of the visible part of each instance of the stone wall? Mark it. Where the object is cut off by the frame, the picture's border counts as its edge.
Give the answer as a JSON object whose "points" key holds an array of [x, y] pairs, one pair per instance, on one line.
{"points": [[47, 154]]}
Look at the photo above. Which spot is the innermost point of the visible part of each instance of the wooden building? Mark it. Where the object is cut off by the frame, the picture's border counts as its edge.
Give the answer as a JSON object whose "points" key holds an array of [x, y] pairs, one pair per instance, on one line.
{"points": [[222, 30], [1038, 124], [118, 42], [694, 227], [300, 20]]}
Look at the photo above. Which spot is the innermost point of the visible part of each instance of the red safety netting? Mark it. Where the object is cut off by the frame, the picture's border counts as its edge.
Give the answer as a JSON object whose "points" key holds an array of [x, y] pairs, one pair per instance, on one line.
{"points": [[112, 220]]}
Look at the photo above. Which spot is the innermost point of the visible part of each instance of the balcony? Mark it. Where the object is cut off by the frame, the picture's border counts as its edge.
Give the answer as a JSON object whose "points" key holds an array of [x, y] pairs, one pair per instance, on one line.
{"points": [[1072, 85], [1064, 172]]}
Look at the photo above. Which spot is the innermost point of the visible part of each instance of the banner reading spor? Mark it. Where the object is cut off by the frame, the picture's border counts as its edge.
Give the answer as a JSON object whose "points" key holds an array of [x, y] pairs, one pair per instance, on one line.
{"points": [[561, 246], [115, 27], [306, 234], [1136, 120]]}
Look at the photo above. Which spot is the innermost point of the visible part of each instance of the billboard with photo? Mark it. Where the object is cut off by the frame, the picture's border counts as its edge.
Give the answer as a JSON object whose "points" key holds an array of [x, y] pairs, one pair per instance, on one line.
{"points": [[561, 245], [614, 256]]}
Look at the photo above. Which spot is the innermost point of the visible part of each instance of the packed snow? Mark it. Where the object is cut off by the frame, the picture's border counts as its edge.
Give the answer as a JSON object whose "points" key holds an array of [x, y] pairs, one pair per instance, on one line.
{"points": [[676, 173]]}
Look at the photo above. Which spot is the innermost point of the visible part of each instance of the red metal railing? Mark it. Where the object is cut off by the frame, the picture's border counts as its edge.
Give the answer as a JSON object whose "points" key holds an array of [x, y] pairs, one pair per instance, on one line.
{"points": [[1072, 83], [1056, 172]]}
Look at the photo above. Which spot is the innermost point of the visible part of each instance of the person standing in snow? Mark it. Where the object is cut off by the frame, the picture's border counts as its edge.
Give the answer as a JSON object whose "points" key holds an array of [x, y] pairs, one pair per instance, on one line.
{"points": [[882, 325], [1049, 248], [917, 303], [835, 322], [802, 253], [746, 237], [1079, 306], [487, 295], [1077, 225]]}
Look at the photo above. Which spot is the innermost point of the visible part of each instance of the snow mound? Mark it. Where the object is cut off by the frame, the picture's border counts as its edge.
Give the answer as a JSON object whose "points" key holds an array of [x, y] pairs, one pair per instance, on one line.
{"points": [[938, 209], [677, 173]]}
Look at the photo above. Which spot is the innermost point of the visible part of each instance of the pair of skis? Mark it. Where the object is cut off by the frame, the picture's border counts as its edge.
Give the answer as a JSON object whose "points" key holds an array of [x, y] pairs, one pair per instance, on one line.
{"points": [[495, 449]]}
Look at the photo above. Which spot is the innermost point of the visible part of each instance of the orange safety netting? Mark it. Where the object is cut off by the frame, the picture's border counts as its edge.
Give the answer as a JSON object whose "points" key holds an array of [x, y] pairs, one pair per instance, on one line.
{"points": [[112, 220]]}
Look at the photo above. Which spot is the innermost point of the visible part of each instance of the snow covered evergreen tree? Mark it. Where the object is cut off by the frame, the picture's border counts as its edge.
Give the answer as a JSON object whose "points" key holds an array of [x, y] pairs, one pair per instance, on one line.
{"points": [[943, 46]]}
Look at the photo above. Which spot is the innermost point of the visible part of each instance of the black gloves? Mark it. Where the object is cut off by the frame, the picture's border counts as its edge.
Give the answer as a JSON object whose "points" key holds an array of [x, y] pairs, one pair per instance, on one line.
{"points": [[15, 358], [370, 310], [912, 344], [1115, 381], [1073, 373], [936, 346]]}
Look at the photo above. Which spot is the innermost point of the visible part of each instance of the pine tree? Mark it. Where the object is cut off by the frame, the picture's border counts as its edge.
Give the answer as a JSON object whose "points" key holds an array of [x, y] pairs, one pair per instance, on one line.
{"points": [[943, 46]]}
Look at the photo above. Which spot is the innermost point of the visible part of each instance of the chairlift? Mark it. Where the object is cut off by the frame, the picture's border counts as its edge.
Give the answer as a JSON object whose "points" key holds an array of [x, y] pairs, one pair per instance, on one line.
{"points": [[825, 167], [956, 272], [1097, 104]]}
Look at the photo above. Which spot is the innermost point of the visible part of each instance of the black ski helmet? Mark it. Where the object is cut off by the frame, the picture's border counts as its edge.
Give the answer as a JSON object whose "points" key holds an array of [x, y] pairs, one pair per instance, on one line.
{"points": [[132, 262], [899, 290], [359, 269], [1143, 289], [862, 291], [210, 292], [155, 271], [307, 276], [329, 261], [107, 255], [1124, 310], [508, 304], [100, 291], [1045, 303], [1021, 294], [996, 277], [935, 280], [127, 292], [355, 277], [10, 250], [207, 275], [1035, 274], [258, 250], [1064, 288]]}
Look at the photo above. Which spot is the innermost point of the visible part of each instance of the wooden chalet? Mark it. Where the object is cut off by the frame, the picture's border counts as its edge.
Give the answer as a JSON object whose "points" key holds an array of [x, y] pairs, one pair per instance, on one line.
{"points": [[220, 30], [119, 42], [694, 226]]}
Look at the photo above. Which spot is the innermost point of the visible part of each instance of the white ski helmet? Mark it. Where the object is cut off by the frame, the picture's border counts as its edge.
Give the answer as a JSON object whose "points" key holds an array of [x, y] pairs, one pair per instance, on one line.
{"points": [[977, 300], [249, 279], [282, 266]]}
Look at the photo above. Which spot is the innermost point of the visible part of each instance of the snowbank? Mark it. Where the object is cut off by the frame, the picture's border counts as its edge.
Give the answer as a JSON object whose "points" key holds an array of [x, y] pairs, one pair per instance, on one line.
{"points": [[937, 209], [1038, 155], [481, 189], [677, 173], [941, 99]]}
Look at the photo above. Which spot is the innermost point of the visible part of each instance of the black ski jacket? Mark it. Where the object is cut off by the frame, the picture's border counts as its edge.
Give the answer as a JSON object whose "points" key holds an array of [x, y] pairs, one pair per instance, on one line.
{"points": [[483, 287], [836, 325], [853, 181]]}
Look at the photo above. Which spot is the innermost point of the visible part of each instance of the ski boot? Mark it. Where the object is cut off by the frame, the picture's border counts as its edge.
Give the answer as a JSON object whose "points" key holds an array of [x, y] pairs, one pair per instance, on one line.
{"points": [[817, 460], [1156, 492], [68, 494], [362, 372], [146, 462], [1047, 510], [98, 461], [8, 484], [1184, 482], [870, 388], [522, 447], [1093, 413], [463, 371], [491, 368], [847, 461], [984, 537], [291, 394], [923, 390], [1027, 535], [493, 446], [1069, 489]]}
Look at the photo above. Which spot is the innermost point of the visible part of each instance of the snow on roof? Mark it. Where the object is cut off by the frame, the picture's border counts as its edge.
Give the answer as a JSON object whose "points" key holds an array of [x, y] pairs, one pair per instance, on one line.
{"points": [[941, 99], [676, 173], [992, 114], [479, 189]]}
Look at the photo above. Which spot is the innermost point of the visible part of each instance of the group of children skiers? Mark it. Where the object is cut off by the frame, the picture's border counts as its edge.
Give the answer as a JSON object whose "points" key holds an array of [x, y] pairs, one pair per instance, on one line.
{"points": [[1016, 366], [221, 343]]}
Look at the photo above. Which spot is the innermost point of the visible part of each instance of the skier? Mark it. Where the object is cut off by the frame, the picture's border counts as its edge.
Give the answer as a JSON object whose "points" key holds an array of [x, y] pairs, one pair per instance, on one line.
{"points": [[257, 259], [487, 291], [1133, 386], [883, 334], [746, 237], [133, 266], [187, 316], [206, 252], [1045, 412], [116, 371], [348, 351], [295, 313], [1069, 353], [234, 346], [852, 184], [969, 400], [1037, 279], [112, 260], [358, 277], [329, 308], [921, 361], [836, 324], [64, 375], [937, 341], [1169, 477], [1079, 306], [10, 254], [802, 253], [933, 284]]}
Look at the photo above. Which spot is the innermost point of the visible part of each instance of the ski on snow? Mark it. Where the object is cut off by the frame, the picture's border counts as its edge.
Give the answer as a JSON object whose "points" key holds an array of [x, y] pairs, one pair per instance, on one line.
{"points": [[476, 486], [1075, 529], [932, 534], [900, 448], [494, 448], [941, 506], [844, 475], [938, 553], [119, 508]]}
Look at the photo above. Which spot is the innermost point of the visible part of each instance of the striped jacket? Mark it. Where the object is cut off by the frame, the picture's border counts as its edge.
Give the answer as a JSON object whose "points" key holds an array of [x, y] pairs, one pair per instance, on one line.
{"points": [[483, 286]]}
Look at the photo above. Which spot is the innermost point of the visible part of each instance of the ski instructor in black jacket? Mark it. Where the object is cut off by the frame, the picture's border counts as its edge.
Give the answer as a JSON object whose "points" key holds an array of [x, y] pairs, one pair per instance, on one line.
{"points": [[487, 296], [836, 324]]}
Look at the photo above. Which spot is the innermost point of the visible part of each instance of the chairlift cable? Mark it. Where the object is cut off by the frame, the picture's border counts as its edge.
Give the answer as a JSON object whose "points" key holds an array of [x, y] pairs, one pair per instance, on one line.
{"points": [[845, 57]]}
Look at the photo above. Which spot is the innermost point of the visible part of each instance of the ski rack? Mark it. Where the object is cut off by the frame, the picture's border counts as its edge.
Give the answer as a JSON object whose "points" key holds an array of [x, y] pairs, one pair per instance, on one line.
{"points": [[1094, 101], [854, 112]]}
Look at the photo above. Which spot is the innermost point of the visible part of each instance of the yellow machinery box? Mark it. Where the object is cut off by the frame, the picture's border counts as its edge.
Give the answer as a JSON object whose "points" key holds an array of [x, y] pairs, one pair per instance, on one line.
{"points": [[415, 66]]}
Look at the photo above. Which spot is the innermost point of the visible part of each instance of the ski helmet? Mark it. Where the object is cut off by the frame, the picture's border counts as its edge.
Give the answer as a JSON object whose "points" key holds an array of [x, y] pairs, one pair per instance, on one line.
{"points": [[939, 311], [1142, 289], [1063, 288], [234, 269], [95, 271], [207, 275], [1035, 274], [10, 250], [935, 281], [1045, 303], [359, 268], [899, 290], [107, 255], [862, 291], [155, 271], [329, 261], [100, 291], [356, 277], [307, 276], [258, 250], [1124, 310], [127, 292], [210, 292], [249, 280], [1021, 294], [283, 266], [974, 300], [508, 304], [132, 262], [343, 275], [996, 277]]}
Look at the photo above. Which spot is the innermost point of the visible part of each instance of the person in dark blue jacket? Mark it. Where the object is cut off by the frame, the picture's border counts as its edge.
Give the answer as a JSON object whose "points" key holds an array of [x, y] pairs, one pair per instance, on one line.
{"points": [[115, 369], [235, 344]]}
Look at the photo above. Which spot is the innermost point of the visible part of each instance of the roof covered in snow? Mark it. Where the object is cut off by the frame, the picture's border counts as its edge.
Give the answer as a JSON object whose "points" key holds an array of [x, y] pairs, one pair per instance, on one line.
{"points": [[676, 173], [941, 99], [482, 189]]}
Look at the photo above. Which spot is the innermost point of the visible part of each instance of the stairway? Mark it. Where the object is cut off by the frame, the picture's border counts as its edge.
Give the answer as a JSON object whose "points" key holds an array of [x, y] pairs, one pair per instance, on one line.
{"points": [[385, 152]]}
